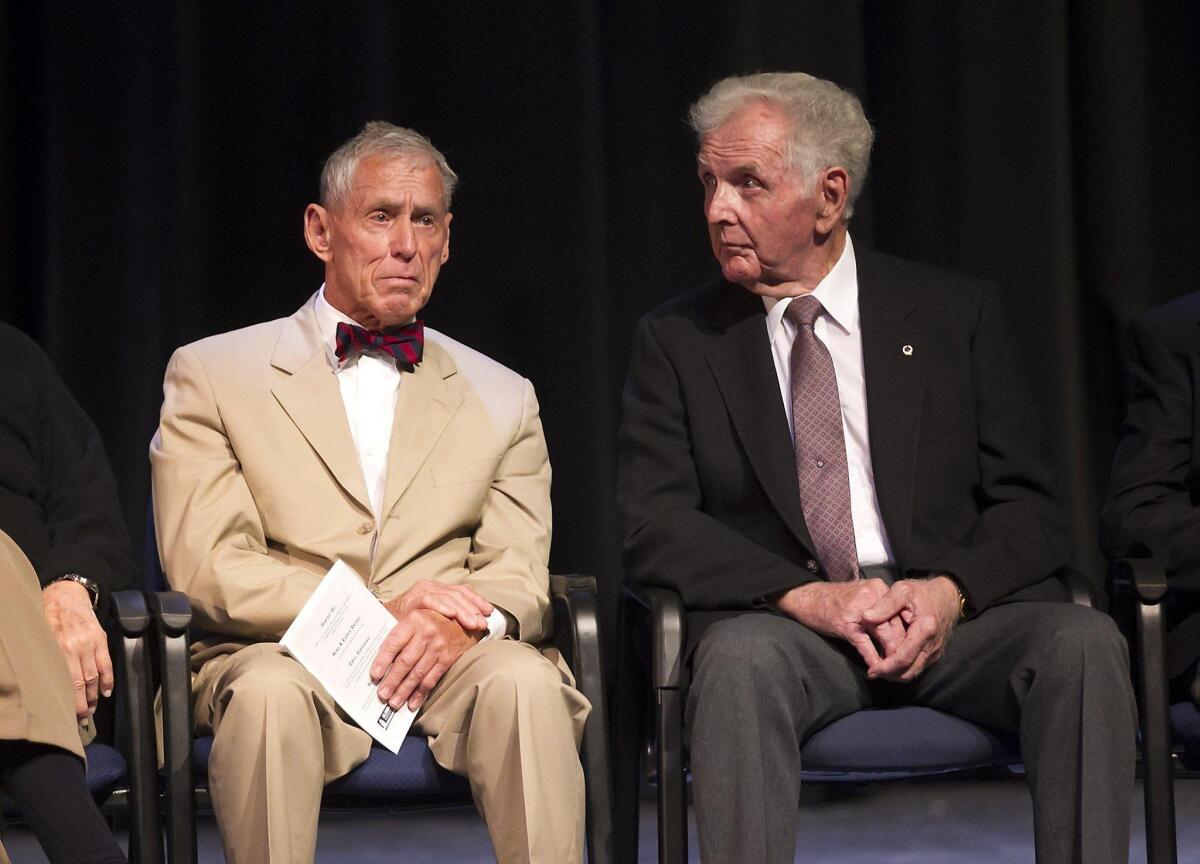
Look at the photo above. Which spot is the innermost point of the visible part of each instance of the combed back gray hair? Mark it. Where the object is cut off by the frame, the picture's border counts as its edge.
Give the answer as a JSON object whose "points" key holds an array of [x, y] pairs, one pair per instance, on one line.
{"points": [[828, 124], [380, 138]]}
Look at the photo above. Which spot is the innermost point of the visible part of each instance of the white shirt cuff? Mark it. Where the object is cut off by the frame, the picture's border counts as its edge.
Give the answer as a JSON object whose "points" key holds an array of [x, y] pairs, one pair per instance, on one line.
{"points": [[497, 624]]}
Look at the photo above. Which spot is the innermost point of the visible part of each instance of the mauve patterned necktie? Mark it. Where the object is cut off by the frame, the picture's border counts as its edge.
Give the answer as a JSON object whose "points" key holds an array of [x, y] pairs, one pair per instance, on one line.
{"points": [[820, 445]]}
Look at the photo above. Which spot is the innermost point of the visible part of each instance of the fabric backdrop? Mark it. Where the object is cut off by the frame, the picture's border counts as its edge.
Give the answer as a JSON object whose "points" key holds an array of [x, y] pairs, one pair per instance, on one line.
{"points": [[155, 159]]}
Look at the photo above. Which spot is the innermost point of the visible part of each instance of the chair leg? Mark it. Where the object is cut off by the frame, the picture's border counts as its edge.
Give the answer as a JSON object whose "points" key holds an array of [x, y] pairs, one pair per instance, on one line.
{"points": [[598, 779], [1158, 784], [145, 829], [672, 782], [172, 614], [131, 654], [629, 729]]}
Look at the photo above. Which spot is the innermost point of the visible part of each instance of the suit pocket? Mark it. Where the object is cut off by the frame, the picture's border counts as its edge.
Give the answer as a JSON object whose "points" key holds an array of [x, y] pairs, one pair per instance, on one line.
{"points": [[464, 471]]}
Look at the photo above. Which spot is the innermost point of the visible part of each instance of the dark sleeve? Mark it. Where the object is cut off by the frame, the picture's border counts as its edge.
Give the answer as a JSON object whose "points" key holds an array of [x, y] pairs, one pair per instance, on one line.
{"points": [[1149, 506], [83, 518], [670, 540], [1021, 534]]}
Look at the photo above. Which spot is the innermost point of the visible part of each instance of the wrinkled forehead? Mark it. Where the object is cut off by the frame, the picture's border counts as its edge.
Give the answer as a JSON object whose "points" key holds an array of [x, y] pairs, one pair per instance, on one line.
{"points": [[759, 129], [392, 175], [741, 153]]}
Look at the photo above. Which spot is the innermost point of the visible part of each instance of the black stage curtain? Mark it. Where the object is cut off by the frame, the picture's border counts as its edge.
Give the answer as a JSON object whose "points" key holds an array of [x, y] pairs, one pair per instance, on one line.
{"points": [[155, 159]]}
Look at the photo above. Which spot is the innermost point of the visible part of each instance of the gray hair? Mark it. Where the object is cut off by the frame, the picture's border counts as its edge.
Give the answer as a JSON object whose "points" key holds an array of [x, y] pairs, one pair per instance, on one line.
{"points": [[380, 138], [828, 124]]}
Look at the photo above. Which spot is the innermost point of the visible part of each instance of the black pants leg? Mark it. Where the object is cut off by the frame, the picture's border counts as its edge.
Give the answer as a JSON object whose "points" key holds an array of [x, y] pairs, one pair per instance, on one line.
{"points": [[49, 787]]}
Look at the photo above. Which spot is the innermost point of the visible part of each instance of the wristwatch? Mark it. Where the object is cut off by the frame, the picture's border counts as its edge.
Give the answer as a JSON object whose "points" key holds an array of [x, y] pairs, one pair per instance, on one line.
{"points": [[963, 604], [91, 586]]}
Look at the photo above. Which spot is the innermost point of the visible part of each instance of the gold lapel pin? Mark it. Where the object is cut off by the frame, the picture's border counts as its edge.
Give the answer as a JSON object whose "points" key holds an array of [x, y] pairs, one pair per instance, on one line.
{"points": [[906, 350]]}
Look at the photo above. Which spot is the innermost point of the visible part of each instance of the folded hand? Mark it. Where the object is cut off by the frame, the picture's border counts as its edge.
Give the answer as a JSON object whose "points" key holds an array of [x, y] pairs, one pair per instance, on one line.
{"points": [[416, 654], [928, 608]]}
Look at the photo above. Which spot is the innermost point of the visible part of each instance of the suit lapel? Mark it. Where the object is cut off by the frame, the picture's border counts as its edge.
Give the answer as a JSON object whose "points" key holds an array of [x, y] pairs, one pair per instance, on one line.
{"points": [[741, 363], [894, 354], [308, 392], [425, 405]]}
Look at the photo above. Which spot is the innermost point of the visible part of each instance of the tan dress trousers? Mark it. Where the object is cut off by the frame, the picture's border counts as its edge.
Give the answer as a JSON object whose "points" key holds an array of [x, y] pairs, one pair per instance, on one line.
{"points": [[505, 716], [36, 701]]}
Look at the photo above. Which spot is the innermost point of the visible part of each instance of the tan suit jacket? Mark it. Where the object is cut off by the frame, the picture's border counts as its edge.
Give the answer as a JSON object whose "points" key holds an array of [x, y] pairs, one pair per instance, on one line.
{"points": [[258, 489]]}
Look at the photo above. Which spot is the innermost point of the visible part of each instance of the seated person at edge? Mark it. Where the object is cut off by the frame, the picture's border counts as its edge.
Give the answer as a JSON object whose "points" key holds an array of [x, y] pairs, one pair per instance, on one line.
{"points": [[348, 430], [63, 548], [828, 452], [1153, 501]]}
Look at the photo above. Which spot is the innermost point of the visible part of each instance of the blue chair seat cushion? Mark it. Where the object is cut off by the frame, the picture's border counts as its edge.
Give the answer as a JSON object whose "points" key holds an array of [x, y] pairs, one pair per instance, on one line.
{"points": [[894, 743], [1185, 721], [106, 769], [410, 777]]}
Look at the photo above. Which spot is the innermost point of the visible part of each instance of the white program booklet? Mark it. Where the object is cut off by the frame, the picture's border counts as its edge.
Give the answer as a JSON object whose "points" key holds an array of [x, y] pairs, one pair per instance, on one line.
{"points": [[336, 637]]}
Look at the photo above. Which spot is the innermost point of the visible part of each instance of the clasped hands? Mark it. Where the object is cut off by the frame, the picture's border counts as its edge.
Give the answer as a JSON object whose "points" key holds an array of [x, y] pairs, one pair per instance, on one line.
{"points": [[435, 624], [898, 630]]}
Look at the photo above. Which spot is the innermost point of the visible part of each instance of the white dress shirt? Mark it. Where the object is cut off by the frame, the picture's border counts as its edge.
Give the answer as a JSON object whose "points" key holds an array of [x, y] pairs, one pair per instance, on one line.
{"points": [[369, 384], [838, 329]]}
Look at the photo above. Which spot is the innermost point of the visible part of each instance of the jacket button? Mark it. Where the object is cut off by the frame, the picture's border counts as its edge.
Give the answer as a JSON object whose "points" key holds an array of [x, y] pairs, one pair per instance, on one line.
{"points": [[366, 528], [812, 565]]}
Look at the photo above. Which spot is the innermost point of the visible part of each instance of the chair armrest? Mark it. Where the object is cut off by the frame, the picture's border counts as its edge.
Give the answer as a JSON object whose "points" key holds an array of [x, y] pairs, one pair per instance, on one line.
{"points": [[1080, 589], [172, 614], [668, 633], [171, 611], [1145, 577], [127, 609], [561, 585], [574, 602], [1142, 583], [128, 627], [577, 636]]}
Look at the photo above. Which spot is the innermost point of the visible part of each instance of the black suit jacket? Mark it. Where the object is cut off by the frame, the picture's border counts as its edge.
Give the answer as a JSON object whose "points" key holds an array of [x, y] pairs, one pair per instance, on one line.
{"points": [[58, 498], [708, 488], [1154, 494]]}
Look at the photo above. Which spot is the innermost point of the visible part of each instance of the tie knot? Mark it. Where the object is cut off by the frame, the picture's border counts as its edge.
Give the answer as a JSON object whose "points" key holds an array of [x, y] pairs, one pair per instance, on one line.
{"points": [[803, 310]]}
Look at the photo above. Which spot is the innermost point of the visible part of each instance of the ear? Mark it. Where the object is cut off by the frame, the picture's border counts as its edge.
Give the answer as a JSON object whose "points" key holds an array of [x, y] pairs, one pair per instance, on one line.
{"points": [[317, 230], [446, 242], [833, 194]]}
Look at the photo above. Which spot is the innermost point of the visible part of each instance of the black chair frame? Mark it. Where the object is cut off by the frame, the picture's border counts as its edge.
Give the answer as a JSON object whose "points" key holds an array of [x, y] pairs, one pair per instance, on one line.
{"points": [[1138, 589]]}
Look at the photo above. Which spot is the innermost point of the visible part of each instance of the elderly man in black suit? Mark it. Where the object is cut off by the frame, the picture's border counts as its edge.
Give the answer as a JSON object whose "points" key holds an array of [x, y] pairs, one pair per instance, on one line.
{"points": [[1154, 494], [821, 410]]}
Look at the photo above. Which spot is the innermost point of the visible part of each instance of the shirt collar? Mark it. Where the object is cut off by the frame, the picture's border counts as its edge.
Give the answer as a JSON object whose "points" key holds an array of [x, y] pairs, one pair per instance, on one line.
{"points": [[838, 293], [327, 320]]}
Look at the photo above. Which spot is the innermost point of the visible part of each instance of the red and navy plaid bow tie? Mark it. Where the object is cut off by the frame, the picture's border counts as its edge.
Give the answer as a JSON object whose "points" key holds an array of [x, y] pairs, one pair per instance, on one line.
{"points": [[406, 343]]}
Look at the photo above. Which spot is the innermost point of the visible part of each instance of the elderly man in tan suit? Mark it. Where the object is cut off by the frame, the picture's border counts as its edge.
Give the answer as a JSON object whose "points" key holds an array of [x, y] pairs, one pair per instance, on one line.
{"points": [[350, 431]]}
